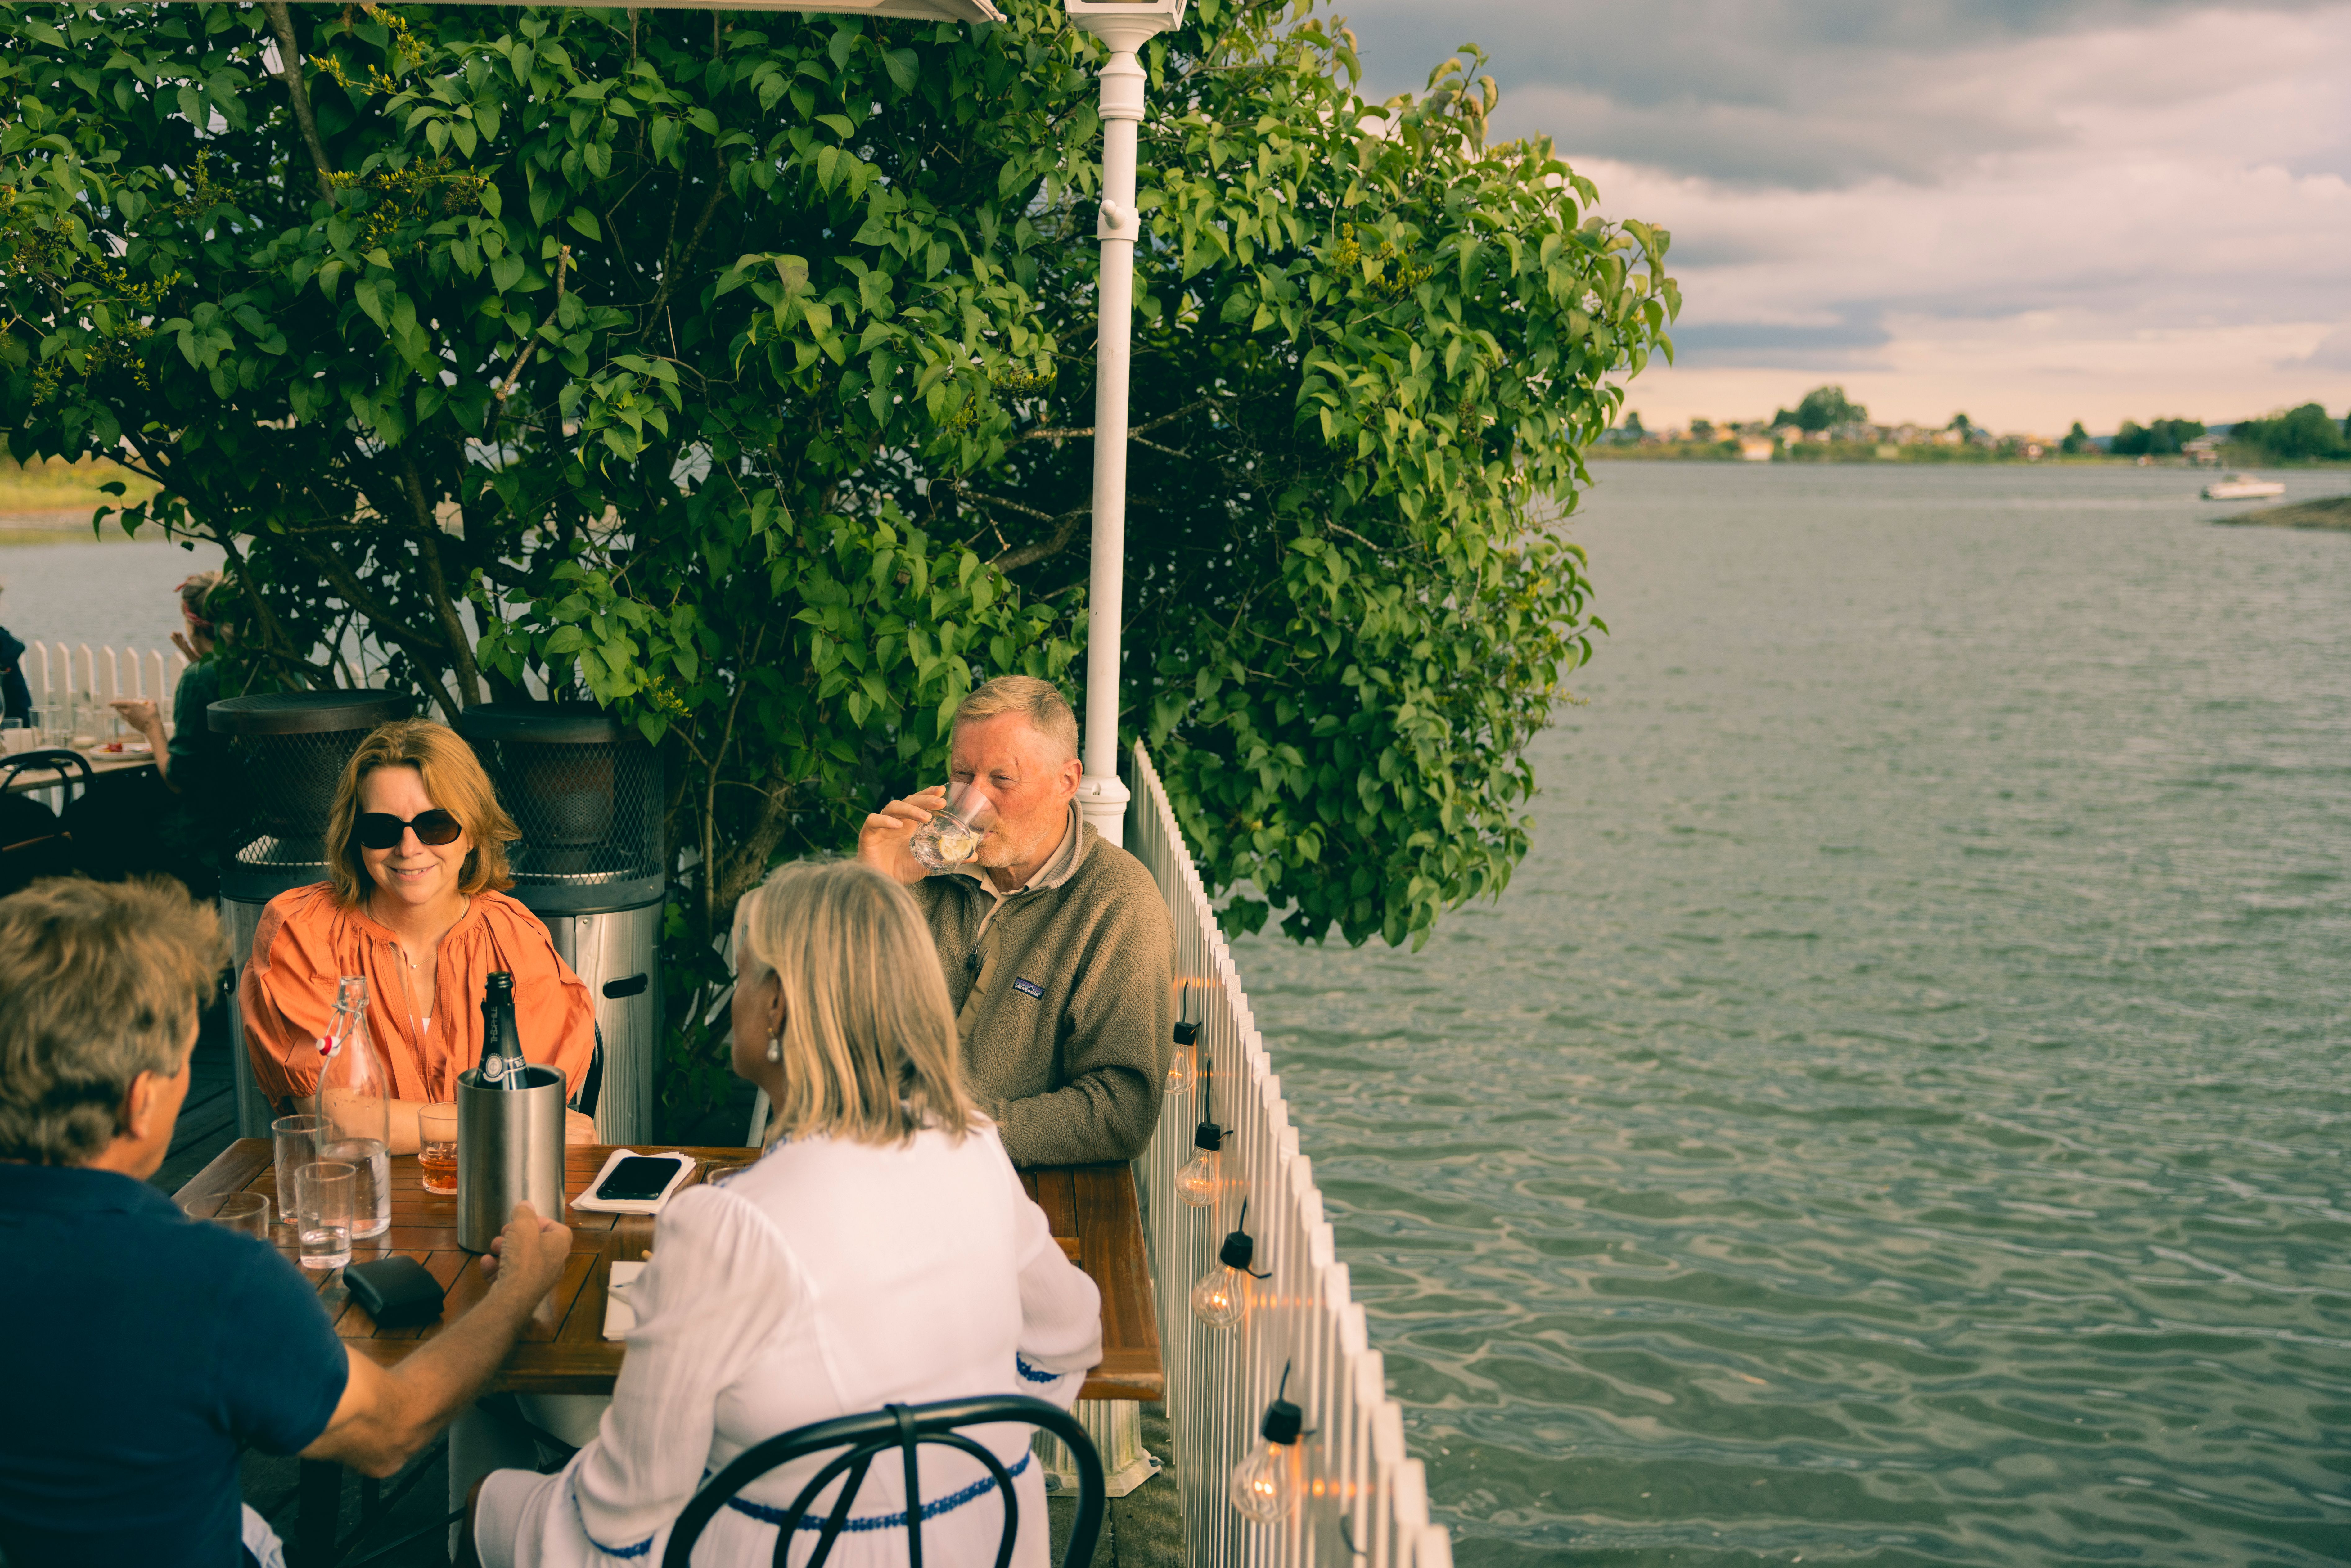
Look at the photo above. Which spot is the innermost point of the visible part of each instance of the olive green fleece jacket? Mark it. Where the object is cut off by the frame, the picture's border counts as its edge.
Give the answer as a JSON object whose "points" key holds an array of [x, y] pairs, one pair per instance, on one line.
{"points": [[1064, 996]]}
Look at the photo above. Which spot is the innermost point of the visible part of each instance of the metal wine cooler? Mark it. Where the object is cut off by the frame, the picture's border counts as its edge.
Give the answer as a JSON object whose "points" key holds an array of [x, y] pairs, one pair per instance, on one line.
{"points": [[287, 752], [586, 792]]}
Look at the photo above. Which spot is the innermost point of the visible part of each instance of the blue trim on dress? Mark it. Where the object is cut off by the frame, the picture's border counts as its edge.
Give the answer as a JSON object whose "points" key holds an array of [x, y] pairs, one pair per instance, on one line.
{"points": [[948, 1504], [1036, 1374], [639, 1549]]}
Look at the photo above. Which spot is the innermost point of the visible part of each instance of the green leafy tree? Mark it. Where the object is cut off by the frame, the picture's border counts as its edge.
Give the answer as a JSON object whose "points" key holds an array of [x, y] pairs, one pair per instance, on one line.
{"points": [[2160, 438], [1823, 408], [735, 372], [2077, 440], [2299, 434]]}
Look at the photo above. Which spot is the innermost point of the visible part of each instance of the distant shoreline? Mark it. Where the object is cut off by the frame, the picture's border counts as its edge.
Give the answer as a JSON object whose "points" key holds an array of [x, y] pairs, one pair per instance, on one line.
{"points": [[1858, 455]]}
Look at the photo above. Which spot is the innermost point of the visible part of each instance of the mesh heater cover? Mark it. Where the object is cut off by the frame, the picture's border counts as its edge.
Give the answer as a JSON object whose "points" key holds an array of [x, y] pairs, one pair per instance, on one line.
{"points": [[287, 750], [586, 794]]}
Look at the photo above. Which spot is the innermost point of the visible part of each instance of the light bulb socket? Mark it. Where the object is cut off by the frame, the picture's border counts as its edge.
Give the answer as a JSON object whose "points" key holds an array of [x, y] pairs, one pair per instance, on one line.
{"points": [[1185, 1034], [1209, 1135], [1238, 1252], [1284, 1422]]}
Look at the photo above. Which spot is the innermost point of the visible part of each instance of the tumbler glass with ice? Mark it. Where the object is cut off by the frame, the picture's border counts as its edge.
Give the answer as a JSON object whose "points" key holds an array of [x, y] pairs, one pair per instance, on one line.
{"points": [[952, 836]]}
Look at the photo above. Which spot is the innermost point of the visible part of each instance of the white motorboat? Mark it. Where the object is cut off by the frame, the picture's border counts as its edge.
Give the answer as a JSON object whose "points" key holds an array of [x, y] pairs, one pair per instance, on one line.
{"points": [[2241, 487]]}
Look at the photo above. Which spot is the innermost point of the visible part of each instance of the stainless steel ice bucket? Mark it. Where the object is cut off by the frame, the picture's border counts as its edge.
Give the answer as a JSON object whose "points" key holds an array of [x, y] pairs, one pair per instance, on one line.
{"points": [[509, 1151]]}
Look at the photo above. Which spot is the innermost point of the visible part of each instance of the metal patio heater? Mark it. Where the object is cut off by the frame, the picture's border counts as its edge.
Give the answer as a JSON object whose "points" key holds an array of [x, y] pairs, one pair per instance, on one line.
{"points": [[287, 750], [586, 791]]}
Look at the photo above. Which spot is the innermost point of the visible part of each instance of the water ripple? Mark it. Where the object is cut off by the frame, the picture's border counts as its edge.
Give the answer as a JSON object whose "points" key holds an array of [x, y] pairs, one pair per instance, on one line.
{"points": [[1897, 1113]]}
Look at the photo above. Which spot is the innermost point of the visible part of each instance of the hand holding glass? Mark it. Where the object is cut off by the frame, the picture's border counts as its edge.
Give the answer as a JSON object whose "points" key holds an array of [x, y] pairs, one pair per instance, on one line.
{"points": [[952, 836]]}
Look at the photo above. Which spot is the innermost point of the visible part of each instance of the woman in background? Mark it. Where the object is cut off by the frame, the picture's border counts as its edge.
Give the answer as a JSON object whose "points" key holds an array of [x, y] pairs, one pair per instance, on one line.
{"points": [[194, 811], [417, 857], [881, 1251]]}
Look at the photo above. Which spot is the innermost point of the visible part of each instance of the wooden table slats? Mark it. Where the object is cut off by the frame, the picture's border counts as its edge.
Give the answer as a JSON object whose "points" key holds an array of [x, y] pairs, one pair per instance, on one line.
{"points": [[1091, 1210]]}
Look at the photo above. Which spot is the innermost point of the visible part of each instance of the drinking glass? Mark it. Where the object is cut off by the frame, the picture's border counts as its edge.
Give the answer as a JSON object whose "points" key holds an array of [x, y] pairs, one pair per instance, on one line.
{"points": [[952, 836], [246, 1213], [298, 1145], [324, 1192], [371, 1198], [436, 1147]]}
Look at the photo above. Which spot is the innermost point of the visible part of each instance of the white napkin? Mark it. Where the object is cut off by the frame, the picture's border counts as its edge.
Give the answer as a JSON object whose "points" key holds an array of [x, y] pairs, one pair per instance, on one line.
{"points": [[587, 1202], [619, 1316]]}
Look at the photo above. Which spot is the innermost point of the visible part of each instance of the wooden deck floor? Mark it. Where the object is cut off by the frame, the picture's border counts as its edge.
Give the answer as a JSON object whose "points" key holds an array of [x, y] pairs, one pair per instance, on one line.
{"points": [[208, 1115]]}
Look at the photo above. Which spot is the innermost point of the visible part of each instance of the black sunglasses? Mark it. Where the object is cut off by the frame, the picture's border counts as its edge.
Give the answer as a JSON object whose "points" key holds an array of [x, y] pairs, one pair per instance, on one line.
{"points": [[381, 830]]}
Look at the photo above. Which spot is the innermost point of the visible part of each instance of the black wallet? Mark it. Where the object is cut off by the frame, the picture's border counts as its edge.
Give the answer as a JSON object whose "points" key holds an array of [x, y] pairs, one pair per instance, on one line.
{"points": [[396, 1291]]}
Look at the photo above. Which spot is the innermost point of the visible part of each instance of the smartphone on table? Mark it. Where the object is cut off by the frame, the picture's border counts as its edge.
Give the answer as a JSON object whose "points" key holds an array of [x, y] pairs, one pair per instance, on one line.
{"points": [[637, 1179]]}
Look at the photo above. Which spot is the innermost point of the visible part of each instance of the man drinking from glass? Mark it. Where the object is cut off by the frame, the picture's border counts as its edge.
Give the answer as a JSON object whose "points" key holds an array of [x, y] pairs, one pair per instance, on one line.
{"points": [[1059, 957], [143, 1348]]}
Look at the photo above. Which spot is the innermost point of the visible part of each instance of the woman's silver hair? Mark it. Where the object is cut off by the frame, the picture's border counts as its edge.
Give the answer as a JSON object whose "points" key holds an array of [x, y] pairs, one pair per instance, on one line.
{"points": [[869, 1037]]}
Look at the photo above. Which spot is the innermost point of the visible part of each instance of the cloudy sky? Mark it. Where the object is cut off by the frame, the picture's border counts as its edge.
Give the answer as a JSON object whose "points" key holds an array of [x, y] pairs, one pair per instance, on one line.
{"points": [[2035, 211]]}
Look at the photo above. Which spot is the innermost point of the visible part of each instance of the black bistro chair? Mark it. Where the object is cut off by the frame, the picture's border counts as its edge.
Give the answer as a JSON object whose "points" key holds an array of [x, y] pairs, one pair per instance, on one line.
{"points": [[36, 841], [905, 1427]]}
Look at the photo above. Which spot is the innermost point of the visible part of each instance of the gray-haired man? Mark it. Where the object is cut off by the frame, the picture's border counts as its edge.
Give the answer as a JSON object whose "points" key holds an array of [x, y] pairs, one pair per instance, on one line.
{"points": [[146, 1348], [1058, 952]]}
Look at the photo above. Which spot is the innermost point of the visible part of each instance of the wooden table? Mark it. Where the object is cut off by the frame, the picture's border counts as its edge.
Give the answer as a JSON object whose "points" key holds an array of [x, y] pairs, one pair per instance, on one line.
{"points": [[1091, 1210]]}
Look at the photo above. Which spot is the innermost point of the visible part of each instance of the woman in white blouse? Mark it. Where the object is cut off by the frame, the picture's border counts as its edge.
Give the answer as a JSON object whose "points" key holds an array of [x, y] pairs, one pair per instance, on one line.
{"points": [[881, 1251]]}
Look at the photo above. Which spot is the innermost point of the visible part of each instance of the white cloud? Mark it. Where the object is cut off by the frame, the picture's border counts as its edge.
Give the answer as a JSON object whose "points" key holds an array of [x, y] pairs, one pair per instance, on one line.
{"points": [[2036, 214]]}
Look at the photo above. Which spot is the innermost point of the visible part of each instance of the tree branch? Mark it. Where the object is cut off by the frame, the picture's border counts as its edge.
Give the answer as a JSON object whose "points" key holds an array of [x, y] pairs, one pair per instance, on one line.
{"points": [[562, 260], [381, 619], [671, 274], [1065, 530], [289, 68], [428, 541]]}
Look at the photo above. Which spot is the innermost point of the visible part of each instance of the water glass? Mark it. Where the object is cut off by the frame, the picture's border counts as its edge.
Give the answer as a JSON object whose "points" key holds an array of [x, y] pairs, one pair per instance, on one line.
{"points": [[952, 836], [324, 1192], [246, 1213], [371, 1198], [436, 1147], [296, 1138]]}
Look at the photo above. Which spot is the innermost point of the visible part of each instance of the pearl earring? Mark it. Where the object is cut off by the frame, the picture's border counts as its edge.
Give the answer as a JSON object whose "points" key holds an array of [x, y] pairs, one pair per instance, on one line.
{"points": [[776, 1046]]}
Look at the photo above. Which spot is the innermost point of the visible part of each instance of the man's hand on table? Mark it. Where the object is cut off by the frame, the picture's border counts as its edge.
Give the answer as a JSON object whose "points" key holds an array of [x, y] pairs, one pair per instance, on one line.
{"points": [[528, 1254], [883, 842], [387, 1414]]}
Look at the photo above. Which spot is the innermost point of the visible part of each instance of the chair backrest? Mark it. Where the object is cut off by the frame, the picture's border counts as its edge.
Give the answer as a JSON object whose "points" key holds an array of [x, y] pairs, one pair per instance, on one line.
{"points": [[34, 842], [905, 1427]]}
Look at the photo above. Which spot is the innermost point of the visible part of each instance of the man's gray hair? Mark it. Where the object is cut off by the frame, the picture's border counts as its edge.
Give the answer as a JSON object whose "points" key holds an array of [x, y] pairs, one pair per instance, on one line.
{"points": [[1047, 710], [99, 982]]}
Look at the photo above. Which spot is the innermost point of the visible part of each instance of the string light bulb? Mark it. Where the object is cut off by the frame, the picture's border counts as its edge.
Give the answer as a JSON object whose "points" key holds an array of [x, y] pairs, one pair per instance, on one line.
{"points": [[1222, 1298], [1198, 1182], [1266, 1482], [1179, 1063]]}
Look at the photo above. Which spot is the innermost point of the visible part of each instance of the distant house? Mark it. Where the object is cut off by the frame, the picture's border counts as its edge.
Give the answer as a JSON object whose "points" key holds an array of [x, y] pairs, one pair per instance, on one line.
{"points": [[2203, 451], [1756, 448]]}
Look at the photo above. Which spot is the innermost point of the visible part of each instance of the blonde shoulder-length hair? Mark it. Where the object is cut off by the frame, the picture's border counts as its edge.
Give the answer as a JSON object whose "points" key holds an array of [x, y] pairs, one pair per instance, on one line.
{"points": [[869, 1037], [454, 781]]}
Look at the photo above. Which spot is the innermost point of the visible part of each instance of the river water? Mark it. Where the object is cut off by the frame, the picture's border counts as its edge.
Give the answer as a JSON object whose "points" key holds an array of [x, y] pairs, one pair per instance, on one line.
{"points": [[1897, 1115]]}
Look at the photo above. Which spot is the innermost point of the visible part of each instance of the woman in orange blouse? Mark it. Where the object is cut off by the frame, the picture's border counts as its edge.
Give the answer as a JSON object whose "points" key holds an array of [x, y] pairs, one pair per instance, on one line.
{"points": [[416, 852]]}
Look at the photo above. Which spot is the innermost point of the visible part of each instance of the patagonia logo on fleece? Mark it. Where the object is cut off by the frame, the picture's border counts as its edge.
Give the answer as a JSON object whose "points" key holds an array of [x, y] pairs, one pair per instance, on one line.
{"points": [[1029, 988]]}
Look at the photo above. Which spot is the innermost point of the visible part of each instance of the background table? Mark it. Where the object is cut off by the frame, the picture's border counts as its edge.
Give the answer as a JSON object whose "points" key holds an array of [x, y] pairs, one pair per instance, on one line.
{"points": [[1092, 1210], [101, 763]]}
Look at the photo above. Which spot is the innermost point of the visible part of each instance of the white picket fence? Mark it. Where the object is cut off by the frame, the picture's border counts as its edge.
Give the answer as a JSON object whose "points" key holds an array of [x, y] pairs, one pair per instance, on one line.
{"points": [[95, 676], [1364, 1500]]}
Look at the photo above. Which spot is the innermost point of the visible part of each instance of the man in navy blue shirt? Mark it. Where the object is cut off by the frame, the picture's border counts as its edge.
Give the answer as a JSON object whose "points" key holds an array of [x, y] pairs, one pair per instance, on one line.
{"points": [[140, 1348]]}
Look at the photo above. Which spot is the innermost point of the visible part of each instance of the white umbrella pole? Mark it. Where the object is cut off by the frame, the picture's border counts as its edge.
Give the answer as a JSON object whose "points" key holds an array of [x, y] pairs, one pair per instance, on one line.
{"points": [[1126, 29]]}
